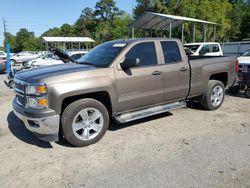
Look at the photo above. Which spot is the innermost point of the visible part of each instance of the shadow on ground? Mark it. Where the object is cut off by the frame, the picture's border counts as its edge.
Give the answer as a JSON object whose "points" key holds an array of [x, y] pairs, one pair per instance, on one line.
{"points": [[114, 125], [19, 131]]}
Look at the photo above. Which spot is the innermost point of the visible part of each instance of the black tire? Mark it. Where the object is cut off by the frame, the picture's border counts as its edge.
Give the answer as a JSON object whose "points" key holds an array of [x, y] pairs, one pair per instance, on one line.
{"points": [[247, 93], [206, 101], [234, 90], [71, 112]]}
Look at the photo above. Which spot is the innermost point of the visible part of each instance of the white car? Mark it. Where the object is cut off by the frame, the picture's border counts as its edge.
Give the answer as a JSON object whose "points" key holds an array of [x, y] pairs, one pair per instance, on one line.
{"points": [[3, 54], [54, 60], [23, 57], [244, 62], [77, 54], [204, 49], [29, 63]]}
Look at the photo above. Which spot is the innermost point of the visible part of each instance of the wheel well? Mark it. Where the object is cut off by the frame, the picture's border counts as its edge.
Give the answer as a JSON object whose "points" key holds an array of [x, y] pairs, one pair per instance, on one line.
{"points": [[101, 96], [223, 77]]}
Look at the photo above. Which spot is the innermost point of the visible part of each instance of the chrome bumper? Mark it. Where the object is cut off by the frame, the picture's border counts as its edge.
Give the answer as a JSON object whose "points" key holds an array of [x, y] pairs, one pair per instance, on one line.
{"points": [[45, 128]]}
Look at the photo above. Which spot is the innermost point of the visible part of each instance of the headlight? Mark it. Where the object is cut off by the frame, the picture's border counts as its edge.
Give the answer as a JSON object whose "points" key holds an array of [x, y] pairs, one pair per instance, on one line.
{"points": [[37, 102], [36, 89]]}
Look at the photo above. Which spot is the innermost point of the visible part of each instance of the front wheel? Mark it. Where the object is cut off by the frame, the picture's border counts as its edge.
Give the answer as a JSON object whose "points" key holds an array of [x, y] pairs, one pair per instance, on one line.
{"points": [[84, 122], [214, 96]]}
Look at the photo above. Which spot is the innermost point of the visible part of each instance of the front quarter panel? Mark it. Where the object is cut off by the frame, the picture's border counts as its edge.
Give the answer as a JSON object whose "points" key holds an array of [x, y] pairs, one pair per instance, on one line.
{"points": [[95, 82]]}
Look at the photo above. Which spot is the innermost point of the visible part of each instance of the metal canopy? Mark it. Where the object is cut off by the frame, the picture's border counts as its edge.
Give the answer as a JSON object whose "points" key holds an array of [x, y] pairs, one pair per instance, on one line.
{"points": [[67, 39], [63, 42], [157, 21]]}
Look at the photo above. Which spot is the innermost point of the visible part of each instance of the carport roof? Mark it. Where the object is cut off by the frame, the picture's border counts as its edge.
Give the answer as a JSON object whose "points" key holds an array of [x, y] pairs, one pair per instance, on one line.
{"points": [[152, 20], [68, 39]]}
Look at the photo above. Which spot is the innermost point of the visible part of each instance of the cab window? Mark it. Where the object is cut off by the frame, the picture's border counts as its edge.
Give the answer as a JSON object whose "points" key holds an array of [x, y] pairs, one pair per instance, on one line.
{"points": [[171, 52], [145, 52]]}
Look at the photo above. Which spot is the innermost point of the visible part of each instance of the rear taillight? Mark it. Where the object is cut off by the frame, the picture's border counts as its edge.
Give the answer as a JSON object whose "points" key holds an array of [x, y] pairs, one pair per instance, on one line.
{"points": [[237, 66]]}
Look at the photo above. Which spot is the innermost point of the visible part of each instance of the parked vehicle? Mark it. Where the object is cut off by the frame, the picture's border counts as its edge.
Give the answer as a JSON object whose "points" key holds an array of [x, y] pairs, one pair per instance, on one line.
{"points": [[30, 63], [204, 49], [23, 57], [243, 75], [77, 54], [121, 79], [3, 54], [2, 65]]}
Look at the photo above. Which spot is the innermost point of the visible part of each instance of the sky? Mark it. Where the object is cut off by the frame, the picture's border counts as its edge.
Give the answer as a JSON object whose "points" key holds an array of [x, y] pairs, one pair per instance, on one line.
{"points": [[40, 15]]}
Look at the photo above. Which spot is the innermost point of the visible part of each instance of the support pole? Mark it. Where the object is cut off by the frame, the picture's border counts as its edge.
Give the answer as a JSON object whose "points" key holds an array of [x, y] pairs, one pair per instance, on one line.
{"points": [[205, 33], [214, 33], [194, 33], [182, 33], [8, 65], [170, 30], [133, 32]]}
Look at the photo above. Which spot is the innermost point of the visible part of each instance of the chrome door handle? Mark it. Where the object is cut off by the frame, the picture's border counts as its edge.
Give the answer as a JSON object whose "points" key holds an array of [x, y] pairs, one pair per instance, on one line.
{"points": [[183, 69], [156, 73]]}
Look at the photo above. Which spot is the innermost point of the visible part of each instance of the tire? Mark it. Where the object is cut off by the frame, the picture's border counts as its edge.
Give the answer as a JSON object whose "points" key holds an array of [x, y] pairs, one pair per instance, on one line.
{"points": [[79, 127], [234, 90], [247, 93], [214, 96], [12, 84], [13, 62]]}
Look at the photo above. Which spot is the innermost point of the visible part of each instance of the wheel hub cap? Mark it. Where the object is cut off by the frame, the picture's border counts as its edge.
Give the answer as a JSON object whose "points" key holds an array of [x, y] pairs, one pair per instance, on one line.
{"points": [[87, 124], [217, 96]]}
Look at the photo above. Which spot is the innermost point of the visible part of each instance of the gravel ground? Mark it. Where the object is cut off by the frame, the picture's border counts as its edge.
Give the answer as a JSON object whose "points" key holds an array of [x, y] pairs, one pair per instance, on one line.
{"points": [[185, 148]]}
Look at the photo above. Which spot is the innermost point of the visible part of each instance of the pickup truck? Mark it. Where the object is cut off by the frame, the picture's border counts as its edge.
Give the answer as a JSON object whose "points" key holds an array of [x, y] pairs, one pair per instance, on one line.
{"points": [[121, 79], [203, 49]]}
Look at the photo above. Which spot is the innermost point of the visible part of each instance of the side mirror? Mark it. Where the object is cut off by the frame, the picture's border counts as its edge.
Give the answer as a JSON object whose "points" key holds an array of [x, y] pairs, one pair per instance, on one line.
{"points": [[203, 51], [129, 63], [17, 55]]}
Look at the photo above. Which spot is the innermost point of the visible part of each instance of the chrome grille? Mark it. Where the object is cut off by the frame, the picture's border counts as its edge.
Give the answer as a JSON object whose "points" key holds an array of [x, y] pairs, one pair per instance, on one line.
{"points": [[21, 100], [20, 86]]}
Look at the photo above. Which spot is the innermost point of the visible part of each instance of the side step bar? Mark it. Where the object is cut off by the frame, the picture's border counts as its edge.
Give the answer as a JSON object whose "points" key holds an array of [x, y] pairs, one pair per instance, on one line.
{"points": [[131, 116]]}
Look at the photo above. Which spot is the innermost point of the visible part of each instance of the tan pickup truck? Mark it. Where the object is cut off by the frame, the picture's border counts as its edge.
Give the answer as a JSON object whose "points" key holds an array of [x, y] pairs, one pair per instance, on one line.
{"points": [[121, 79]]}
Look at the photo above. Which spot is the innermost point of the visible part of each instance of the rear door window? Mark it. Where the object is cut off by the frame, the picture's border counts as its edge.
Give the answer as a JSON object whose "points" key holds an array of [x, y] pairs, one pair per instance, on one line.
{"points": [[171, 52], [214, 48]]}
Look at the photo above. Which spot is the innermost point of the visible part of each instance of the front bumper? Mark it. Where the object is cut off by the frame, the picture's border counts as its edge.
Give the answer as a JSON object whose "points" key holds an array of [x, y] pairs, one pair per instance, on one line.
{"points": [[45, 126]]}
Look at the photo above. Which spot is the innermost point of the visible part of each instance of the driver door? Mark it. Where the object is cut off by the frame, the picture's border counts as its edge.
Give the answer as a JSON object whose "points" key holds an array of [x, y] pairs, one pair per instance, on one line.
{"points": [[140, 86]]}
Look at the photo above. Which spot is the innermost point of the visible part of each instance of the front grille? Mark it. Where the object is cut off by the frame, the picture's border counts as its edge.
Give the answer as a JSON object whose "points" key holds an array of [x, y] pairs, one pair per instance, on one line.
{"points": [[21, 100], [244, 68], [19, 86]]}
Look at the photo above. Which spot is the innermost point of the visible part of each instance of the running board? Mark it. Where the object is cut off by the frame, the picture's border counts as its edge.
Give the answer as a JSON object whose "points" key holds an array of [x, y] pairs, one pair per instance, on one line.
{"points": [[131, 116]]}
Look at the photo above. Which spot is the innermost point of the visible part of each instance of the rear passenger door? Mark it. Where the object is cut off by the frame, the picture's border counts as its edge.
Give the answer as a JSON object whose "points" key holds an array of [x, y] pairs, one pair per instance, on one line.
{"points": [[176, 72], [142, 85]]}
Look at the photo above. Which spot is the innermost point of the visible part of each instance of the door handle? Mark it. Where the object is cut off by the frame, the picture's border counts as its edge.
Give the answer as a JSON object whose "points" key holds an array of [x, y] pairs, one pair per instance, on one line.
{"points": [[156, 73], [183, 69]]}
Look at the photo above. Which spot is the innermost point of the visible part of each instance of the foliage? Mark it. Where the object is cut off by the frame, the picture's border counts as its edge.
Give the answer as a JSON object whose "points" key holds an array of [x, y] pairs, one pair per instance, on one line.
{"points": [[227, 13], [107, 22]]}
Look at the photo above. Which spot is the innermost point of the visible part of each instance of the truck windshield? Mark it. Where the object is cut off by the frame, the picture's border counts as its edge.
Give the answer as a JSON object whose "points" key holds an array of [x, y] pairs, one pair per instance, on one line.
{"points": [[247, 53], [103, 54], [193, 48]]}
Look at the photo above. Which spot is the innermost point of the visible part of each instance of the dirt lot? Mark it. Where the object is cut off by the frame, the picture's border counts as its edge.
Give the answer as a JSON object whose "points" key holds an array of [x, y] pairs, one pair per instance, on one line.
{"points": [[185, 148]]}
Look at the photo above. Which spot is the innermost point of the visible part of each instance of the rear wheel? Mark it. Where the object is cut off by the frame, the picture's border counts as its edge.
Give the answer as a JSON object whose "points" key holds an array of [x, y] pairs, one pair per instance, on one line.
{"points": [[214, 96], [84, 122]]}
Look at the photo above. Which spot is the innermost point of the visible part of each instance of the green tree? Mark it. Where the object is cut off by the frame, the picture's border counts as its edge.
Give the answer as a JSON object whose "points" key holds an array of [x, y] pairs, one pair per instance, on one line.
{"points": [[106, 10], [21, 36], [11, 39], [245, 25], [53, 32], [33, 44]]}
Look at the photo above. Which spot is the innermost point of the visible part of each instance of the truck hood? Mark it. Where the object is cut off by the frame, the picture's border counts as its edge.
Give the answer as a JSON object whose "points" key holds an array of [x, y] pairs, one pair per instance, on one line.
{"points": [[38, 74]]}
